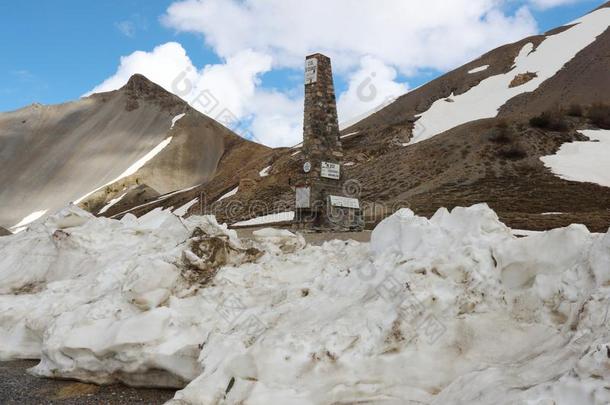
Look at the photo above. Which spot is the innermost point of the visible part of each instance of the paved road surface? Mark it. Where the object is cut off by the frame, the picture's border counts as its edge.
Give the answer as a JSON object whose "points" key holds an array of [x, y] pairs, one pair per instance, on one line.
{"points": [[19, 388]]}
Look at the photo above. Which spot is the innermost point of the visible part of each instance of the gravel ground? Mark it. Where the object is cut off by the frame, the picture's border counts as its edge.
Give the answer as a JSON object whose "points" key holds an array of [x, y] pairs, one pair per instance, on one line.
{"points": [[18, 387]]}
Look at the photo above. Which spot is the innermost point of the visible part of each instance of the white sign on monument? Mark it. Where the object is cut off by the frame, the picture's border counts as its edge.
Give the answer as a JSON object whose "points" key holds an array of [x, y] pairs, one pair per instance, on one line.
{"points": [[303, 197], [311, 71], [331, 170], [344, 202]]}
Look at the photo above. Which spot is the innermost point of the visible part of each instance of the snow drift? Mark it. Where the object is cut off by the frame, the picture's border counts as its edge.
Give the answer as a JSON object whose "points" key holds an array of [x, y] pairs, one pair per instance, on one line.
{"points": [[453, 309]]}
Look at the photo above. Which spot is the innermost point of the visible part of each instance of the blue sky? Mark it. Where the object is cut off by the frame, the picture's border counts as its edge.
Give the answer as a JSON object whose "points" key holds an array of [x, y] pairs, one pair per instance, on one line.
{"points": [[55, 51]]}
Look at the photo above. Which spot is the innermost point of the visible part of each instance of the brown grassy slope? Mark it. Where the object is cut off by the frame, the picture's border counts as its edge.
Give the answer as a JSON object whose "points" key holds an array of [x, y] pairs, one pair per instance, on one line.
{"points": [[472, 164]]}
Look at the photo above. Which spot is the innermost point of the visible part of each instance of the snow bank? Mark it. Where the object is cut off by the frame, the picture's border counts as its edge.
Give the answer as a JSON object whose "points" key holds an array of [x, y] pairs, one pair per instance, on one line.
{"points": [[583, 161], [267, 219], [451, 309], [484, 100]]}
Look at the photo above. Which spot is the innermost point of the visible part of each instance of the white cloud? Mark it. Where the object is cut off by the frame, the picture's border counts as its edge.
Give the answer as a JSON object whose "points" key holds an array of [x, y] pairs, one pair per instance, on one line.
{"points": [[375, 39], [372, 43], [277, 118], [216, 90], [408, 35], [162, 66], [370, 87], [229, 92], [233, 83]]}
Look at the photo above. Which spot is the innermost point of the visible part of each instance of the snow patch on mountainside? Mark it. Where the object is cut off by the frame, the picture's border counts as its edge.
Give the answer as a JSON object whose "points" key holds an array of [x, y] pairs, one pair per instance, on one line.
{"points": [[181, 211], [587, 161], [484, 100], [157, 200], [111, 203], [133, 168], [229, 194], [22, 225], [442, 310], [350, 134], [176, 119], [479, 69], [265, 172]]}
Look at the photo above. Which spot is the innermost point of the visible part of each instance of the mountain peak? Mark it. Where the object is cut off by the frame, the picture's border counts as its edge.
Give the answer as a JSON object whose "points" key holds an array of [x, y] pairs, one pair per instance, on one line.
{"points": [[139, 87], [139, 82]]}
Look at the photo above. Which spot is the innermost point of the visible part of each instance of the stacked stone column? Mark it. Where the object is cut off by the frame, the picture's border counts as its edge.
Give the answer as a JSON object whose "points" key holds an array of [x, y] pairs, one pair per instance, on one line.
{"points": [[322, 143]]}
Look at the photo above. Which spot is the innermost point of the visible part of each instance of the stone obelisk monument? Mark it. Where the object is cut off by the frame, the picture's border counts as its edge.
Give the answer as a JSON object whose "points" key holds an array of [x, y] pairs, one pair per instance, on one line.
{"points": [[321, 200]]}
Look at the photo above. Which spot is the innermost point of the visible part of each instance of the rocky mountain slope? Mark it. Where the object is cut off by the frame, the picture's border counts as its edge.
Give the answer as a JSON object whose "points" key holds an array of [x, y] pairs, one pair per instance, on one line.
{"points": [[133, 144], [494, 130], [463, 138]]}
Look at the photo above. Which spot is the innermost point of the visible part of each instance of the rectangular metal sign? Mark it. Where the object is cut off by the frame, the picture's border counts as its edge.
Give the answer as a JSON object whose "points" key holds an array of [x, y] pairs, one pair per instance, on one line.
{"points": [[303, 197], [331, 170], [344, 202], [311, 70]]}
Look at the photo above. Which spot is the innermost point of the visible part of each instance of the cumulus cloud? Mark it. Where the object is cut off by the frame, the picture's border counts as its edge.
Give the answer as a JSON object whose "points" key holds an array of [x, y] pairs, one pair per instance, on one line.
{"points": [[408, 35], [372, 86], [162, 66], [370, 45], [375, 47], [232, 84], [229, 92], [277, 118]]}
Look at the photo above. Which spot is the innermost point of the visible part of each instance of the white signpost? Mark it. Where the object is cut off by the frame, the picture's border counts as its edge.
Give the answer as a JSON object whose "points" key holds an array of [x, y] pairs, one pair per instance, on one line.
{"points": [[331, 171], [344, 202], [311, 71]]}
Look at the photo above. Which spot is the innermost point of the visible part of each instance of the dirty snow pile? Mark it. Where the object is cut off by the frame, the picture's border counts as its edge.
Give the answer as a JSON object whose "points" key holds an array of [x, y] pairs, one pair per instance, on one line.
{"points": [[454, 309]]}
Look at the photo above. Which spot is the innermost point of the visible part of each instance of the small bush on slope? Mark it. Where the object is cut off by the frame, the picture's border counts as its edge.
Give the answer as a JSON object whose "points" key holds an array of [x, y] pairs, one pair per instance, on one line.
{"points": [[514, 152], [599, 114], [502, 133], [553, 121], [575, 110]]}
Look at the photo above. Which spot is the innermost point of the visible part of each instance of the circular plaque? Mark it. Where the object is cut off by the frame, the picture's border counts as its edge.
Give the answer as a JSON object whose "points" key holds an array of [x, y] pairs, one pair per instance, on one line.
{"points": [[307, 167]]}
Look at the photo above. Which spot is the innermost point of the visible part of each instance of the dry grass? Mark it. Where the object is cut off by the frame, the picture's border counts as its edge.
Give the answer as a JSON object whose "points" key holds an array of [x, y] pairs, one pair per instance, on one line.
{"points": [[75, 390]]}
